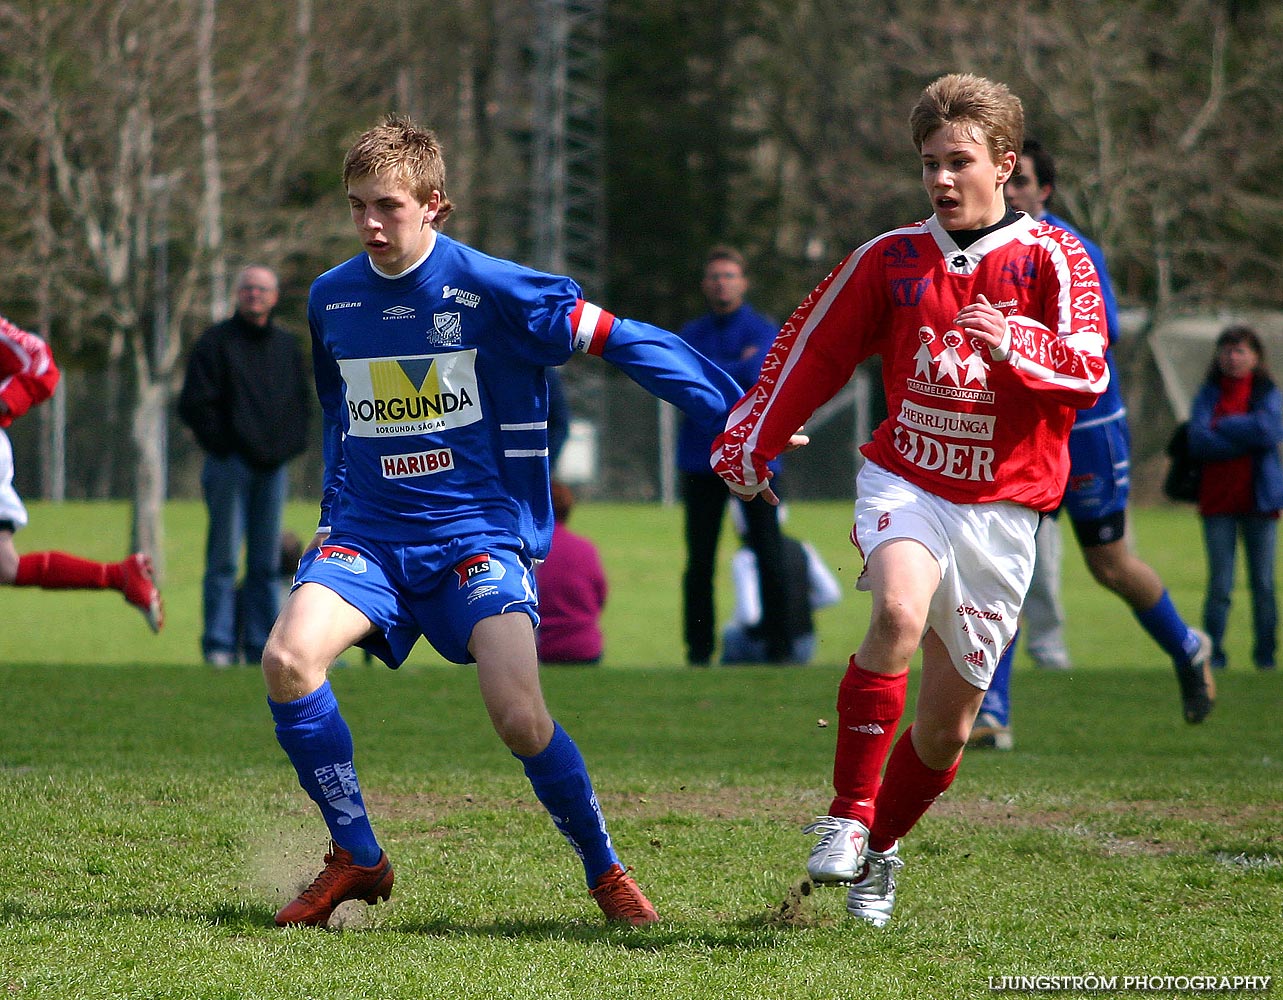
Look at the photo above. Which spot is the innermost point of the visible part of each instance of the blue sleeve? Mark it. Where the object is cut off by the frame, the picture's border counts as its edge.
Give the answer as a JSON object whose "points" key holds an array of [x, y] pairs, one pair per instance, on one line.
{"points": [[534, 308], [1260, 429], [329, 390], [1203, 441], [666, 366], [1237, 434]]}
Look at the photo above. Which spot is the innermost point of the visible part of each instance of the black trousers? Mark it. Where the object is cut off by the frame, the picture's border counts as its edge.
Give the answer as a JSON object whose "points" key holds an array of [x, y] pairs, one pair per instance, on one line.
{"points": [[705, 497]]}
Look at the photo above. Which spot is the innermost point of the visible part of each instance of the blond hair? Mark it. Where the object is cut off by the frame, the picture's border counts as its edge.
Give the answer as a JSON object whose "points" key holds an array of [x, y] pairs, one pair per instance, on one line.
{"points": [[400, 151], [989, 110]]}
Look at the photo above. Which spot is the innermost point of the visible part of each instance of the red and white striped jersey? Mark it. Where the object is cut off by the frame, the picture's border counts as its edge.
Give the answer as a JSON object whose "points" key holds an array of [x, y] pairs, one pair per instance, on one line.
{"points": [[28, 374], [968, 424]]}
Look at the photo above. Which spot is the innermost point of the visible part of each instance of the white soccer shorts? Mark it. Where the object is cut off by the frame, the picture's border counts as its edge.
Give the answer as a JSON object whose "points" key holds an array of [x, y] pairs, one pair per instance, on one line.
{"points": [[11, 508], [985, 553]]}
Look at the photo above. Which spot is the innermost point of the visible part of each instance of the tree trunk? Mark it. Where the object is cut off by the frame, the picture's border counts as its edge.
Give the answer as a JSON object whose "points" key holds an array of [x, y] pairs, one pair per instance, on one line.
{"points": [[211, 171], [149, 470], [53, 418]]}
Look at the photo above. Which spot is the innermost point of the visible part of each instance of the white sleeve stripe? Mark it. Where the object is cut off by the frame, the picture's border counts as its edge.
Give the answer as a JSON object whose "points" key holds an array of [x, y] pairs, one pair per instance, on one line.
{"points": [[525, 453], [539, 425], [588, 319], [589, 316]]}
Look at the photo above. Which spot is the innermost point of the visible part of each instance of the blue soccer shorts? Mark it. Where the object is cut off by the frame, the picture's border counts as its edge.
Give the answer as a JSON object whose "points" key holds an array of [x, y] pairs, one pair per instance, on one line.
{"points": [[439, 592], [1099, 480]]}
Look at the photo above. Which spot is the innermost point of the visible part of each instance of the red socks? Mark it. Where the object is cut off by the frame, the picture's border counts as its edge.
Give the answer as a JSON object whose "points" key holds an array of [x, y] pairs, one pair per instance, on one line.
{"points": [[60, 571], [869, 710], [907, 791]]}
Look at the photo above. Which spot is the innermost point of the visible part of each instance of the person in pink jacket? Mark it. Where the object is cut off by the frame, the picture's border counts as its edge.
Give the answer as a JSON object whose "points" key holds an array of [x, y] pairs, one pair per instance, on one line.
{"points": [[572, 591]]}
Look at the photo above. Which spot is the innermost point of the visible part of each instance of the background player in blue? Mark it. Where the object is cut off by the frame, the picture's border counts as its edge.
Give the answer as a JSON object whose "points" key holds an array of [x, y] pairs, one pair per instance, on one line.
{"points": [[1096, 500], [430, 361], [736, 337]]}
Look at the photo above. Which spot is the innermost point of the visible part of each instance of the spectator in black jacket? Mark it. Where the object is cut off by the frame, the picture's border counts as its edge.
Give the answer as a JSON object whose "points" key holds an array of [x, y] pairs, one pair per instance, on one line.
{"points": [[246, 397]]}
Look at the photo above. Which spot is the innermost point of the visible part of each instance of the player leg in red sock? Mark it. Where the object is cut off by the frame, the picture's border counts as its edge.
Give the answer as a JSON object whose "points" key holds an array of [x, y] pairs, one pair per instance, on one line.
{"points": [[869, 709], [62, 571]]}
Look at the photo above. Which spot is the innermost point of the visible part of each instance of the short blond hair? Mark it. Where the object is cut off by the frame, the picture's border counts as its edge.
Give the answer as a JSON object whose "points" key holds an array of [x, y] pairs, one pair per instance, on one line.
{"points": [[401, 151], [990, 110]]}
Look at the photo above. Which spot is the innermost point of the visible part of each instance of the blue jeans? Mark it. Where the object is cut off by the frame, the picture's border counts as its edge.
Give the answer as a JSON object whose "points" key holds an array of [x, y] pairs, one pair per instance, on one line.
{"points": [[740, 647], [1220, 536], [245, 506]]}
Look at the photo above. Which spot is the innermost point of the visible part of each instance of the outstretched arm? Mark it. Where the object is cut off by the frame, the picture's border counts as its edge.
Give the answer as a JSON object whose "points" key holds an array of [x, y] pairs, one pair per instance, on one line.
{"points": [[812, 357], [659, 361]]}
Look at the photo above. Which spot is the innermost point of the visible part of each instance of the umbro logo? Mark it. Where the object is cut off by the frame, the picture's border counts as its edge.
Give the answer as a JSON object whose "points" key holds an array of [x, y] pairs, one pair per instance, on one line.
{"points": [[399, 312]]}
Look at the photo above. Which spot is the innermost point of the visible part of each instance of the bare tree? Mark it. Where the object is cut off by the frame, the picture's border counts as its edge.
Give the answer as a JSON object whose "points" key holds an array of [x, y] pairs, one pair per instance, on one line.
{"points": [[211, 170], [112, 123]]}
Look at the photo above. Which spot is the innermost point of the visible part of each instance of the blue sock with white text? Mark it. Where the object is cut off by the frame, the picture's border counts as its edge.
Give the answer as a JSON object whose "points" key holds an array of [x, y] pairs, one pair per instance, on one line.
{"points": [[1164, 623], [560, 780], [319, 745]]}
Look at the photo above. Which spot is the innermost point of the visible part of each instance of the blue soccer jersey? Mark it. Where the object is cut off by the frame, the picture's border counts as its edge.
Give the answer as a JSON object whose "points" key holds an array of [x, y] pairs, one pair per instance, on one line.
{"points": [[1100, 441], [435, 401]]}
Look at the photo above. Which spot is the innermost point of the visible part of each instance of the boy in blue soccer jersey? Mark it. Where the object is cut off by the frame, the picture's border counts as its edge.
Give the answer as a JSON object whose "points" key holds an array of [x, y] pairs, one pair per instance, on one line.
{"points": [[430, 365], [1096, 501]]}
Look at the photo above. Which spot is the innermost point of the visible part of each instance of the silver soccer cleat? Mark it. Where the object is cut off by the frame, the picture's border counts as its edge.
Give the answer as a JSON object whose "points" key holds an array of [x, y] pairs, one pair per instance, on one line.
{"points": [[872, 898], [837, 855]]}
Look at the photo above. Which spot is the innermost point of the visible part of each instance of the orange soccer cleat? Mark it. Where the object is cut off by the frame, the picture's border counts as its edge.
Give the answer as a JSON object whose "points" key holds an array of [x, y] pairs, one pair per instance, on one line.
{"points": [[621, 900], [340, 880]]}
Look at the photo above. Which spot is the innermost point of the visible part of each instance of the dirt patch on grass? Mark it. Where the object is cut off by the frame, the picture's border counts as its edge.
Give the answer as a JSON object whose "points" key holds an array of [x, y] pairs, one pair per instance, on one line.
{"points": [[1094, 820], [712, 803]]}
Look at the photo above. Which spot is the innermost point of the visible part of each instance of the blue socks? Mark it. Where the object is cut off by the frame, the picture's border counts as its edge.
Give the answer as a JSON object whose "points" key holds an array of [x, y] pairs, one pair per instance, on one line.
{"points": [[1164, 623], [997, 701], [319, 745], [560, 780]]}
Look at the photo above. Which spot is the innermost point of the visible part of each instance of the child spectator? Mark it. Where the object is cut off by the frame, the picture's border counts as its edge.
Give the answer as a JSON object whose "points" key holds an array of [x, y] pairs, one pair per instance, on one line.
{"points": [[572, 591], [808, 586]]}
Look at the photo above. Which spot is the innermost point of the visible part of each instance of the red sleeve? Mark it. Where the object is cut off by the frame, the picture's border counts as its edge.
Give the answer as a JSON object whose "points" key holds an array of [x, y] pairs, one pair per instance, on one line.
{"points": [[812, 358], [28, 374], [1066, 356]]}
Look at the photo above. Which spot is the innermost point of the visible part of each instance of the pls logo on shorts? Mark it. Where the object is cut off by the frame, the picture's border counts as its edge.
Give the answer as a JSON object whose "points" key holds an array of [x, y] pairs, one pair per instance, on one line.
{"points": [[349, 559], [479, 568]]}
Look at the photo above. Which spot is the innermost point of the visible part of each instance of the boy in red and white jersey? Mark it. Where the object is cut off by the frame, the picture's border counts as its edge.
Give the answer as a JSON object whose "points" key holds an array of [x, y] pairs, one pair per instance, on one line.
{"points": [[991, 331], [28, 376]]}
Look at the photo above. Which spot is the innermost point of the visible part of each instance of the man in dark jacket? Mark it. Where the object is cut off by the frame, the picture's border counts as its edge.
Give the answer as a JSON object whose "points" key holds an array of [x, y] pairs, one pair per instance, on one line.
{"points": [[246, 397]]}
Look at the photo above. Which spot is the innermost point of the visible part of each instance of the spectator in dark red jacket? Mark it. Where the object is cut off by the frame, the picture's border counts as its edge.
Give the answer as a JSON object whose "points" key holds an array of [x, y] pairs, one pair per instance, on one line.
{"points": [[1235, 427]]}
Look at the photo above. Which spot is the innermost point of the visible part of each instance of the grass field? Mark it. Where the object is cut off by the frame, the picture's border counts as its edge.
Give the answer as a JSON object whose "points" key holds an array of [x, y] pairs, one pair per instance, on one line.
{"points": [[151, 825]]}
